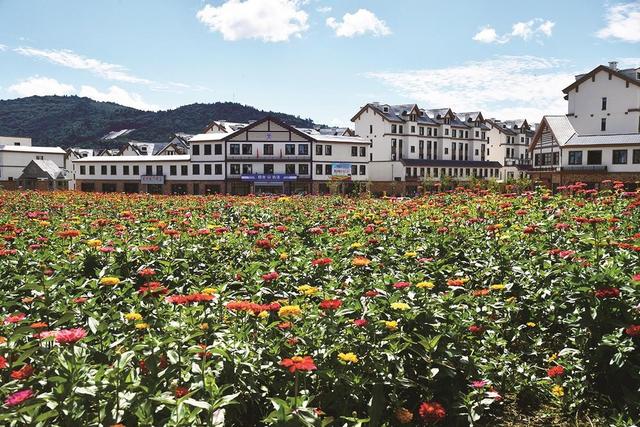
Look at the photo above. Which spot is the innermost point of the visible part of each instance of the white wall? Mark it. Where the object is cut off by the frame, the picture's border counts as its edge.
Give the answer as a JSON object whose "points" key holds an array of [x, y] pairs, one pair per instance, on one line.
{"points": [[12, 163], [166, 170], [607, 158], [15, 140]]}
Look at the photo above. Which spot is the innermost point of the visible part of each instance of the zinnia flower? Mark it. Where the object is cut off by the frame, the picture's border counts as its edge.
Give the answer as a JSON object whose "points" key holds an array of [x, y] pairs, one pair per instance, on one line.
{"points": [[609, 292], [299, 363], [270, 276], [348, 357], [555, 371], [401, 285], [181, 392], [330, 304], [109, 281], [633, 331], [133, 316], [15, 318], [289, 311], [400, 306], [391, 325], [308, 290], [3, 362], [432, 412], [478, 384], [360, 322], [23, 373], [403, 415], [557, 391], [425, 285], [475, 329], [19, 397], [146, 272], [321, 262], [360, 261], [70, 336]]}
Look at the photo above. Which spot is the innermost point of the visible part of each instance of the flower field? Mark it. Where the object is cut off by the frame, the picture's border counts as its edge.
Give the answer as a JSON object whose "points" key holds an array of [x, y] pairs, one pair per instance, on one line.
{"points": [[458, 308]]}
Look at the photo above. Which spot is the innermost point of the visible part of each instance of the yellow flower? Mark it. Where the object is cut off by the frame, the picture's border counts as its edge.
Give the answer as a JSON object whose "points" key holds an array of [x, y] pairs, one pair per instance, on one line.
{"points": [[263, 314], [44, 223], [204, 326], [94, 243], [109, 281], [289, 311], [531, 324], [361, 261], [142, 325], [209, 291], [497, 287], [400, 306], [425, 285], [3, 340], [308, 290], [552, 357], [348, 357], [557, 391], [391, 325], [133, 316], [284, 256], [410, 254], [356, 245]]}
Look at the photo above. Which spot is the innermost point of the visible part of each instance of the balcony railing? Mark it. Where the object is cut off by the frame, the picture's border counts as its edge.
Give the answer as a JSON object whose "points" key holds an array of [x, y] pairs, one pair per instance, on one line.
{"points": [[516, 161], [273, 157], [585, 168]]}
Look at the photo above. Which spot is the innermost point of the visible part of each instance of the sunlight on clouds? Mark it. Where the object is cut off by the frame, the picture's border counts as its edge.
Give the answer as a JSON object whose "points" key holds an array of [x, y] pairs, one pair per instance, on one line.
{"points": [[119, 96], [40, 86], [507, 87], [534, 28], [359, 23], [267, 20], [623, 23]]}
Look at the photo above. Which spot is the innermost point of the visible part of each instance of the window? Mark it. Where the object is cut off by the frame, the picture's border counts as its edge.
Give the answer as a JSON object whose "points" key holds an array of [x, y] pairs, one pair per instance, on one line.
{"points": [[327, 150], [400, 129], [234, 149], [290, 149], [218, 169], [234, 169], [173, 170], [195, 169], [114, 170], [207, 169], [594, 157], [394, 129], [247, 169], [218, 149], [413, 148], [196, 149], [318, 169], [303, 149], [103, 170], [290, 168], [575, 157], [620, 157], [136, 170], [446, 131], [207, 149], [125, 170], [413, 129], [477, 134], [354, 169], [319, 150], [454, 133], [435, 132], [149, 170], [184, 170], [268, 168], [370, 128], [268, 149], [604, 103], [446, 150], [636, 157], [603, 124], [363, 151], [354, 151], [363, 169], [83, 170], [328, 169], [159, 170], [303, 169], [247, 149], [421, 131]]}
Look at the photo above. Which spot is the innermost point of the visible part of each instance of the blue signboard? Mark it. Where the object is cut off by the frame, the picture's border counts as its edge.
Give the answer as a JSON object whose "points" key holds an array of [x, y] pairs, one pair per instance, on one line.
{"points": [[269, 177]]}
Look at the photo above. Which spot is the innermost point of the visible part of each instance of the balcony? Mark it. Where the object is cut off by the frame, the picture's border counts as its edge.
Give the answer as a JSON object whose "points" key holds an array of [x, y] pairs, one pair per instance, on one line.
{"points": [[516, 161], [270, 158], [585, 168]]}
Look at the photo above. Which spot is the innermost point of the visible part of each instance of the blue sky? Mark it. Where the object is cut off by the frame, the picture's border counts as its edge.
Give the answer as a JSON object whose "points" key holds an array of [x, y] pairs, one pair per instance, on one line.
{"points": [[314, 58]]}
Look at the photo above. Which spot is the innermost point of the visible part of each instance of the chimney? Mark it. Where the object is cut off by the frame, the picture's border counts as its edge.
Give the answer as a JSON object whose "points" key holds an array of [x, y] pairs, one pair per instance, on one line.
{"points": [[613, 65]]}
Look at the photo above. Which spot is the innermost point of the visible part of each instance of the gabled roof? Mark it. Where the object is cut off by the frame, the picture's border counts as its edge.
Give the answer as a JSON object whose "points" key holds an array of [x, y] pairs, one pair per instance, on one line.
{"points": [[43, 169], [610, 139], [472, 116], [274, 120], [584, 77], [559, 126]]}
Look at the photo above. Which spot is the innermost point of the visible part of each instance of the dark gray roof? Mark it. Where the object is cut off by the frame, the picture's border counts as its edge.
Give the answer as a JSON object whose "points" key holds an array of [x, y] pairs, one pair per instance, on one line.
{"points": [[451, 163], [44, 169]]}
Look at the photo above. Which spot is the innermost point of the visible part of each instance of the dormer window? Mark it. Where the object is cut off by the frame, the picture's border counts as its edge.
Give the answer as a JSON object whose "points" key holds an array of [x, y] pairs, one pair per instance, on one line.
{"points": [[385, 109]]}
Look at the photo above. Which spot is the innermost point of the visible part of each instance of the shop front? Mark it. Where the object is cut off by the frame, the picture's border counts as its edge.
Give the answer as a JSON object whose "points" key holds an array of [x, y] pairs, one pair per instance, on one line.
{"points": [[269, 184]]}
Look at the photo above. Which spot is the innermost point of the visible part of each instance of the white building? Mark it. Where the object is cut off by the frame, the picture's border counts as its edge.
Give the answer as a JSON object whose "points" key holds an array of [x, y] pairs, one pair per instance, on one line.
{"points": [[410, 145], [14, 158], [508, 143], [599, 138], [15, 140]]}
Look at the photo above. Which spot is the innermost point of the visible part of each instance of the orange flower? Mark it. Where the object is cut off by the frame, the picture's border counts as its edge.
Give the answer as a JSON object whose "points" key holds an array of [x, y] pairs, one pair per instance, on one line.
{"points": [[361, 261]]}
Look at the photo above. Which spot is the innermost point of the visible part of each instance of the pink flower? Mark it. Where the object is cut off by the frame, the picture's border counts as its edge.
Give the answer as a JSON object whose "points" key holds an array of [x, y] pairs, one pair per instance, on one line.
{"points": [[360, 322], [15, 318], [18, 397], [478, 383], [70, 336], [270, 276]]}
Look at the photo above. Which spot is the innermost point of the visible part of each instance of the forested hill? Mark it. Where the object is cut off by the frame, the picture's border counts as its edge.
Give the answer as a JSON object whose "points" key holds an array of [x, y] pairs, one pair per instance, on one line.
{"points": [[68, 121]]}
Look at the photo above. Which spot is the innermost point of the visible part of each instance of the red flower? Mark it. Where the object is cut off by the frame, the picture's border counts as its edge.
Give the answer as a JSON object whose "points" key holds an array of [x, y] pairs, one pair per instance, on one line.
{"points": [[3, 362], [475, 329], [360, 322], [330, 304], [270, 276], [15, 318], [633, 331], [23, 373], [321, 262], [153, 288], [146, 272], [432, 412], [555, 371], [80, 300], [188, 299], [19, 397], [181, 392], [371, 294], [70, 336], [401, 285], [636, 278], [607, 293], [298, 363]]}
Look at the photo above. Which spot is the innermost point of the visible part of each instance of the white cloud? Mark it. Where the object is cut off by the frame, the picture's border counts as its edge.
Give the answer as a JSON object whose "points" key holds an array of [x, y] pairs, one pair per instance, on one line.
{"points": [[324, 9], [267, 20], [629, 62], [3, 47], [488, 35], [40, 86], [506, 87], [70, 59], [623, 23], [534, 28], [359, 23], [117, 95]]}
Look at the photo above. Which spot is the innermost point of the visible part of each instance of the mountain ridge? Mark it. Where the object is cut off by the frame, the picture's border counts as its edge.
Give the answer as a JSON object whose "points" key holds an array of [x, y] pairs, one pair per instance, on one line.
{"points": [[72, 121]]}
